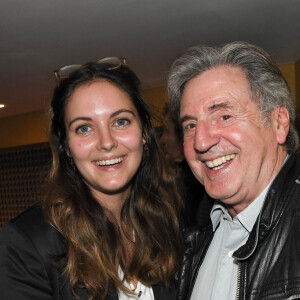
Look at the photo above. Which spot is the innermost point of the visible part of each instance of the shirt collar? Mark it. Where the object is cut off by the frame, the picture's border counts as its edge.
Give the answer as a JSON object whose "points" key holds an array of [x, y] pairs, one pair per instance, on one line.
{"points": [[248, 216], [218, 211]]}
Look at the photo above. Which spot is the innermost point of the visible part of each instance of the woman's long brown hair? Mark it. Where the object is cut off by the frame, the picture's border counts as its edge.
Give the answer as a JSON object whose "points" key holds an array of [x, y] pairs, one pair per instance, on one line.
{"points": [[95, 247]]}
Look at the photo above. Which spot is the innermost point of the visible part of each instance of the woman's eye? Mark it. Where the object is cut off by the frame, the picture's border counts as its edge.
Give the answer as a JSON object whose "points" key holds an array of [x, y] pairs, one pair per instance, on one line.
{"points": [[122, 122], [83, 129]]}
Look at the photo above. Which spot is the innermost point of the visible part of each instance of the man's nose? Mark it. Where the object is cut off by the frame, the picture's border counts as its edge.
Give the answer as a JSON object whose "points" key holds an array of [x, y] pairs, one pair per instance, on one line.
{"points": [[205, 136]]}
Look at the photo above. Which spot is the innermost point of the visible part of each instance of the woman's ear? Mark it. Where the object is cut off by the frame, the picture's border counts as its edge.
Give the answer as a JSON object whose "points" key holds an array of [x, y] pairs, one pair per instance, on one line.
{"points": [[67, 150], [145, 138]]}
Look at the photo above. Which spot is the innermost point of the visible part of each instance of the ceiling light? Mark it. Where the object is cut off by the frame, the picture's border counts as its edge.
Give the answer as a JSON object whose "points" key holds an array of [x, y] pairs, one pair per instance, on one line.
{"points": [[2, 105]]}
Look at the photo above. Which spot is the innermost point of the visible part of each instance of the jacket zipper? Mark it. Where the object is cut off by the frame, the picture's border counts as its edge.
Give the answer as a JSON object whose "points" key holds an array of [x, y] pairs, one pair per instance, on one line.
{"points": [[293, 297], [238, 288]]}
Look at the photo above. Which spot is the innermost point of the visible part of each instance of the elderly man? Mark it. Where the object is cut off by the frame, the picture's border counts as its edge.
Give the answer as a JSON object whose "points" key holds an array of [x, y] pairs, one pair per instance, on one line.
{"points": [[238, 122]]}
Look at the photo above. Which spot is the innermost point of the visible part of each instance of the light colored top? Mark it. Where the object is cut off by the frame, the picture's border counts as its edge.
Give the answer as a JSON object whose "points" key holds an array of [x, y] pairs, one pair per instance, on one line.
{"points": [[217, 276], [142, 292]]}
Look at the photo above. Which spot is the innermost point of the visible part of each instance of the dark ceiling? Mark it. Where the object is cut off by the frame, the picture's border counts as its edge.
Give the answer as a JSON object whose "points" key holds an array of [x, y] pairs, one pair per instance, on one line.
{"points": [[38, 36]]}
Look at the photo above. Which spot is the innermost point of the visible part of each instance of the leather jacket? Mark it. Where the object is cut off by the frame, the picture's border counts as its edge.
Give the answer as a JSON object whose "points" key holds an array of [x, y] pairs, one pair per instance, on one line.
{"points": [[269, 262]]}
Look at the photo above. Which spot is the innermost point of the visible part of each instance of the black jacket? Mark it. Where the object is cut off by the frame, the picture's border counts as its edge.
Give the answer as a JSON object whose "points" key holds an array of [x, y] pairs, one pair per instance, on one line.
{"points": [[197, 205], [29, 264], [269, 262]]}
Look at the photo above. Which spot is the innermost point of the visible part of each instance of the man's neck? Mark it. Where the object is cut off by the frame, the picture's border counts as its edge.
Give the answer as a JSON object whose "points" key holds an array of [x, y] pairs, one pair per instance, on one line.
{"points": [[234, 210]]}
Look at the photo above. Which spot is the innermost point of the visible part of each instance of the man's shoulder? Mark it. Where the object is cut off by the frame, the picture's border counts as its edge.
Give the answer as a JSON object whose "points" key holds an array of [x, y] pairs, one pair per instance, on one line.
{"points": [[196, 237], [292, 177], [288, 178]]}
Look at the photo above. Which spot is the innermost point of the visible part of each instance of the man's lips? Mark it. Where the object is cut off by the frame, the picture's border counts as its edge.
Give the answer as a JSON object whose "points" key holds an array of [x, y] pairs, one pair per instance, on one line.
{"points": [[219, 162]]}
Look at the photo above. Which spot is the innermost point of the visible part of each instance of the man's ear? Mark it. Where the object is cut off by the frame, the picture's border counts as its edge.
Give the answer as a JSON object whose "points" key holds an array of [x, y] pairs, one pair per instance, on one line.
{"points": [[281, 121]]}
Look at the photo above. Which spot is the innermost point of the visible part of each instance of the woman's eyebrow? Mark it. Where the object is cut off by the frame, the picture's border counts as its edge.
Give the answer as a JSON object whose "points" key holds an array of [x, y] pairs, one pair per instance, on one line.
{"points": [[79, 119], [121, 111]]}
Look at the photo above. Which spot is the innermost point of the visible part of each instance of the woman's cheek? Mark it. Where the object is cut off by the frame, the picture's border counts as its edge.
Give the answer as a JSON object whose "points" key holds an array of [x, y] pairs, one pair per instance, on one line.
{"points": [[132, 140], [79, 147]]}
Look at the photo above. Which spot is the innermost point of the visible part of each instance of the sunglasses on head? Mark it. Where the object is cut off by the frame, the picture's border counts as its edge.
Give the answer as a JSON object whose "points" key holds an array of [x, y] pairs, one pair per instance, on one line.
{"points": [[107, 63]]}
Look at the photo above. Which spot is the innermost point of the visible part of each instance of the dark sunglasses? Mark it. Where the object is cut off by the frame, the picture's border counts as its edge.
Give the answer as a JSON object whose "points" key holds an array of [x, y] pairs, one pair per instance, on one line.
{"points": [[107, 63]]}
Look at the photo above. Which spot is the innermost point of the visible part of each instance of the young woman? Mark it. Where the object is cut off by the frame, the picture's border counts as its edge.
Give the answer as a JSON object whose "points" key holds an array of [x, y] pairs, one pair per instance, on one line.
{"points": [[108, 226]]}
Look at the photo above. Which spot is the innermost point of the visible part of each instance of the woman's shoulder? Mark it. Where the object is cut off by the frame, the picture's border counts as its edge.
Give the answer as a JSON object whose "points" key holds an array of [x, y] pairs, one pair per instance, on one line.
{"points": [[31, 217], [32, 226], [30, 250]]}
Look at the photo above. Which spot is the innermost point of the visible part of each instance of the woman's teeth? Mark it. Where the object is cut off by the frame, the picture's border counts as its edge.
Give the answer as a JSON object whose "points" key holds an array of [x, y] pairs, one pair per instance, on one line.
{"points": [[219, 162], [109, 162]]}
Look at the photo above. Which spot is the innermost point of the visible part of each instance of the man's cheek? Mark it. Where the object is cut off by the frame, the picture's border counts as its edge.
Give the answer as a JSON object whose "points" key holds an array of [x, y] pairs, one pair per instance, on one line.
{"points": [[188, 148]]}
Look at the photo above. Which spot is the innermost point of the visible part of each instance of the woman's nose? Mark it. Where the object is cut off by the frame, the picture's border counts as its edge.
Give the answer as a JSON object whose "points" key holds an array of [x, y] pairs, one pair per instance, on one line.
{"points": [[106, 140]]}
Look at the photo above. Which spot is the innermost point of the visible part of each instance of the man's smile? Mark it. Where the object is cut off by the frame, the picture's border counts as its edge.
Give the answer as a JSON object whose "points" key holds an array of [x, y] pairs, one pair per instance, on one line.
{"points": [[219, 162]]}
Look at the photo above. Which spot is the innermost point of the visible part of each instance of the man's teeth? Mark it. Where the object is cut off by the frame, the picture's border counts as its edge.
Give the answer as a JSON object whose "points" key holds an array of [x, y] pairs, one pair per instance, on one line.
{"points": [[109, 162], [218, 163]]}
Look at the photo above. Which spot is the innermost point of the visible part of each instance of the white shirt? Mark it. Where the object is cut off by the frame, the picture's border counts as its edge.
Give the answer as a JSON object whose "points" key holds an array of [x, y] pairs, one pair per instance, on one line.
{"points": [[142, 292]]}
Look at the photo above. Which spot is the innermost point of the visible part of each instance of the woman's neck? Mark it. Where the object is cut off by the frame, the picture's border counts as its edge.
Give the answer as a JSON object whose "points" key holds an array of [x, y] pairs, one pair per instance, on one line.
{"points": [[112, 203]]}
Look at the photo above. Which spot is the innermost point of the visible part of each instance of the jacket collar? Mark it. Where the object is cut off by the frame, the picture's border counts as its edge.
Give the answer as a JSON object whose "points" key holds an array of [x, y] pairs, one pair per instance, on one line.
{"points": [[274, 205]]}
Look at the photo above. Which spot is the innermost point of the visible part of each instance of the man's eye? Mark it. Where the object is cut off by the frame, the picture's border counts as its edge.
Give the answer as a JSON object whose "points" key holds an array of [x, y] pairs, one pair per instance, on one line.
{"points": [[122, 122], [189, 127], [83, 129], [225, 117]]}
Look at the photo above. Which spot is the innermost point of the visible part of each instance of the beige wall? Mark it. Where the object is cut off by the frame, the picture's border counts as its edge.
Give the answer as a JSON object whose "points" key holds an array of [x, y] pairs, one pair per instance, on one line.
{"points": [[23, 129], [156, 99], [297, 83], [31, 128], [289, 72]]}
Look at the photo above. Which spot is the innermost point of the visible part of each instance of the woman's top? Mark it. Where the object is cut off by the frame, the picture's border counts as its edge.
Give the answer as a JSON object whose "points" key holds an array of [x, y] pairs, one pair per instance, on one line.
{"points": [[142, 292], [29, 264]]}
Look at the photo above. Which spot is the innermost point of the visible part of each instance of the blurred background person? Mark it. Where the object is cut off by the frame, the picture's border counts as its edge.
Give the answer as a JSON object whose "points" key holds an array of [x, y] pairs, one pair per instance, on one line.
{"points": [[196, 203]]}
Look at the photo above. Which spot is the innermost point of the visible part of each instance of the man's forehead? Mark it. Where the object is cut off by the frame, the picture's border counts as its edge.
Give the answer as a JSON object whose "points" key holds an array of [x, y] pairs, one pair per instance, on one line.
{"points": [[216, 88], [206, 106], [219, 76]]}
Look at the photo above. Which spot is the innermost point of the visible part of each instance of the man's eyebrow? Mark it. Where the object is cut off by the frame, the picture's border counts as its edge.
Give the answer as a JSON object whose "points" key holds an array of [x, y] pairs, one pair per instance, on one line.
{"points": [[219, 105], [187, 118]]}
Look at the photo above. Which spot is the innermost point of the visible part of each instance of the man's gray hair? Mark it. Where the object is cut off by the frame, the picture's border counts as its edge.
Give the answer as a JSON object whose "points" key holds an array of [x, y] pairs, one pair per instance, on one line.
{"points": [[267, 84]]}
